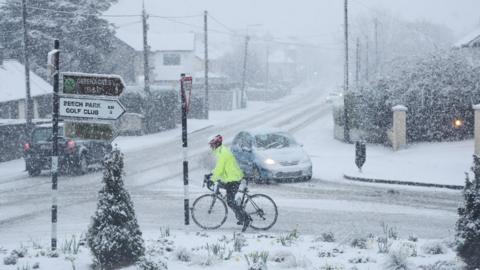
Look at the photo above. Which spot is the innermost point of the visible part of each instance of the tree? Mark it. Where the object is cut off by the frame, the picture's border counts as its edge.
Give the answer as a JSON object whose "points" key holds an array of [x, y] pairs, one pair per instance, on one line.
{"points": [[468, 224], [85, 37], [114, 237]]}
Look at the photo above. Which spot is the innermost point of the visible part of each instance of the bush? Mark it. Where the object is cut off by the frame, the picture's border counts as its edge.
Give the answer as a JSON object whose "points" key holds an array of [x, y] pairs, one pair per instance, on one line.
{"points": [[10, 260], [436, 89], [114, 237], [326, 237], [397, 260], [183, 255], [359, 242], [468, 224], [149, 264], [161, 109], [434, 248]]}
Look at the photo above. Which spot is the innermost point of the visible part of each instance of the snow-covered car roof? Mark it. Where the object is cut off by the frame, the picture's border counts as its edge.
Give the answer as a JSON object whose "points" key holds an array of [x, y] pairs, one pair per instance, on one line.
{"points": [[261, 131]]}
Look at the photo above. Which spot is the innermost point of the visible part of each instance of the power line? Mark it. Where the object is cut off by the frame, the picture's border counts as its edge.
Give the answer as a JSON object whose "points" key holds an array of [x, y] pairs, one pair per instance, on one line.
{"points": [[220, 23], [175, 17]]}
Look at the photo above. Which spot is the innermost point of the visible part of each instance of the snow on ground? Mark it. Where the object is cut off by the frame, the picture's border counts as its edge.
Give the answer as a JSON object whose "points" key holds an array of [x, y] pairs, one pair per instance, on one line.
{"points": [[182, 250], [128, 143], [331, 160], [438, 163]]}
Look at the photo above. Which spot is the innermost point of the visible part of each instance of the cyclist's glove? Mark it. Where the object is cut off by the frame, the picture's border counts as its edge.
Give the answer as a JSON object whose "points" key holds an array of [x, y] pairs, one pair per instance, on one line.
{"points": [[210, 184]]}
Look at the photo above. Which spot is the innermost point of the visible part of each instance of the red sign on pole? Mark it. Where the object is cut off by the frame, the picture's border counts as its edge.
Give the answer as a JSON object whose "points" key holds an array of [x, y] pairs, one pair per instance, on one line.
{"points": [[187, 82]]}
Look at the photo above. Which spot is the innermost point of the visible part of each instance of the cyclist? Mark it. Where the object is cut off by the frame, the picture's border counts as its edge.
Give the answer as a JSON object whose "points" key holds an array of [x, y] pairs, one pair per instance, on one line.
{"points": [[228, 173]]}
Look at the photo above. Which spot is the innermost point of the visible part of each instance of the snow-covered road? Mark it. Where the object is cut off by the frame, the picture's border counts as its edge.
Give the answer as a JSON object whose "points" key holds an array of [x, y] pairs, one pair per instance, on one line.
{"points": [[153, 177]]}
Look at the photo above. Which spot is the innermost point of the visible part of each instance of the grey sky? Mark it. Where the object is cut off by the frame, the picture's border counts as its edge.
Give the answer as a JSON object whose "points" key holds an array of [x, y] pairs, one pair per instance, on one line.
{"points": [[309, 17]]}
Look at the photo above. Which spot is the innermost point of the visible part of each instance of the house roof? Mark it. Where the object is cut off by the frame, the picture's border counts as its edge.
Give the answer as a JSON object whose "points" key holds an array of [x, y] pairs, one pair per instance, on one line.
{"points": [[470, 40], [158, 42], [12, 82]]}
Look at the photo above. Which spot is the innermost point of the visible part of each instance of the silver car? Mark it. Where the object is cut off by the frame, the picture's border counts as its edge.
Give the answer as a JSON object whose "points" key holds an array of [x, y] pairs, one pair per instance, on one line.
{"points": [[271, 155]]}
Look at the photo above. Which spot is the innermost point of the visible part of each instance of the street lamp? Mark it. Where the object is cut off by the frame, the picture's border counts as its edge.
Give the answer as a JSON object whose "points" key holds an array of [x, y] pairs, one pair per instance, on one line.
{"points": [[243, 101]]}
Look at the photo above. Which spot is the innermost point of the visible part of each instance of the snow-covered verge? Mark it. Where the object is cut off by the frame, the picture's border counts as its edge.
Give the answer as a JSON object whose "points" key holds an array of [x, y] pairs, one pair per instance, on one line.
{"points": [[439, 163], [219, 250]]}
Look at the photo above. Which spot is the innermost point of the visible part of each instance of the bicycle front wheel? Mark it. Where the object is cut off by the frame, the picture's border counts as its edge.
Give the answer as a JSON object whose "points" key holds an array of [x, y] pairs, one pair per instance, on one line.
{"points": [[209, 211], [263, 211]]}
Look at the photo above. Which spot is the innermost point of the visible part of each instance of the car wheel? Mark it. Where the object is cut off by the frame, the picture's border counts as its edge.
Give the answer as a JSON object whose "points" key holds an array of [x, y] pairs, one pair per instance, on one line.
{"points": [[82, 166], [34, 172]]}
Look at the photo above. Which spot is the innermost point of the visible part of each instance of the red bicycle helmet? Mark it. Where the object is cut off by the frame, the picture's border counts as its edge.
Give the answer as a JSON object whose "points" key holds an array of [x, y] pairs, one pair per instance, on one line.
{"points": [[215, 142]]}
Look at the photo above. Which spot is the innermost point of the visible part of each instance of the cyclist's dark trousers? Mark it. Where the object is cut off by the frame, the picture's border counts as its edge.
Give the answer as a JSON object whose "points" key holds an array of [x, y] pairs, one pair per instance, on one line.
{"points": [[232, 189]]}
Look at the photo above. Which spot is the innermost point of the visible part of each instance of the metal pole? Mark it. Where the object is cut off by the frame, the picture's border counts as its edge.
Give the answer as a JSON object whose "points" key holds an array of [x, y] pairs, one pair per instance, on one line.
{"points": [[267, 68], [28, 98], [367, 64], [346, 129], [146, 67], [243, 102], [206, 105], [185, 149], [55, 145], [146, 72], [377, 57], [357, 64]]}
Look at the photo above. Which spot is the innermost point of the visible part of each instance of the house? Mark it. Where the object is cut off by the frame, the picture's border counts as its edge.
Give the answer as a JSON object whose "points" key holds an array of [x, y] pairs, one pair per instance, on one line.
{"points": [[12, 91], [170, 55], [472, 40], [470, 45]]}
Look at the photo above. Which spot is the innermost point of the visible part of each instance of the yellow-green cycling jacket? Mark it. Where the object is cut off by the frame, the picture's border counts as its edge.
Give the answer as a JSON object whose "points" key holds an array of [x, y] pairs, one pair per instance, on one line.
{"points": [[227, 169]]}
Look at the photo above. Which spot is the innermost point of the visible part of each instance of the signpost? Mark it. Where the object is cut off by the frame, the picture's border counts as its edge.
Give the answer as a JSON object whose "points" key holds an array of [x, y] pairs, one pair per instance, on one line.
{"points": [[86, 100]]}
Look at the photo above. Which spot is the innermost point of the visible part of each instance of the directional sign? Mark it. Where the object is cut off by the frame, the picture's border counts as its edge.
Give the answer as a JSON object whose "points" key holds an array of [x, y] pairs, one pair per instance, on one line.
{"points": [[92, 84], [90, 108]]}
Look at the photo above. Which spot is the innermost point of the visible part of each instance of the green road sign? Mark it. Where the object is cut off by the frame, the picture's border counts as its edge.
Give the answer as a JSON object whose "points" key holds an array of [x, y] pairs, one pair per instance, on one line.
{"points": [[92, 84], [90, 131]]}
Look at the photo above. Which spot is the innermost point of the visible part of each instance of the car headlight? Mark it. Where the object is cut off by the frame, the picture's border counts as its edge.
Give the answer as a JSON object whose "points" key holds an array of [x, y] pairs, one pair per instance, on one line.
{"points": [[269, 161]]}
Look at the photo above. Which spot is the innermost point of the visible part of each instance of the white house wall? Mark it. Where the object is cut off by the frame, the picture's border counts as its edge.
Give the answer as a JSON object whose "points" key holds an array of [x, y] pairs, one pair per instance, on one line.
{"points": [[162, 73]]}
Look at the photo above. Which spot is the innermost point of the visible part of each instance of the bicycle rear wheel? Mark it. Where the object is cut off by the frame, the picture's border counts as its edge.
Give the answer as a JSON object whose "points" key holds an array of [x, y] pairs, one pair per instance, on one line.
{"points": [[263, 211], [209, 211]]}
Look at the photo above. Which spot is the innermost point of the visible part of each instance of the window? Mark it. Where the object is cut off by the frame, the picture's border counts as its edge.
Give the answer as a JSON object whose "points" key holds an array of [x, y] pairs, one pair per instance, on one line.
{"points": [[274, 140], [45, 134], [242, 140], [171, 59]]}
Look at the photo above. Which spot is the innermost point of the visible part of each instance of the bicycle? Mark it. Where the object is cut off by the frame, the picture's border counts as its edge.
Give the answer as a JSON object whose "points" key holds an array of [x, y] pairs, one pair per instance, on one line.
{"points": [[210, 211]]}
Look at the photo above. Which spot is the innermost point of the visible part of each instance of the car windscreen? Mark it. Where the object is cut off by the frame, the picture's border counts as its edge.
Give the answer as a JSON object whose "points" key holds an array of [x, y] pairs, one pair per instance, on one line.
{"points": [[45, 134], [274, 141]]}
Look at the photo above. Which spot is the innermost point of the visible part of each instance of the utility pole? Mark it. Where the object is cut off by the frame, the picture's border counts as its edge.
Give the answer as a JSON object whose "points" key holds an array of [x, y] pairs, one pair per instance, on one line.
{"points": [[346, 129], [357, 64], [56, 106], [367, 64], [146, 52], [206, 103], [243, 102], [377, 56], [28, 98], [267, 67]]}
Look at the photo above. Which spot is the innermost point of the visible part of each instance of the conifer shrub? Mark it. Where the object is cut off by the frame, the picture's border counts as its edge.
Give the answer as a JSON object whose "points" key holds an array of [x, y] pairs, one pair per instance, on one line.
{"points": [[114, 236]]}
